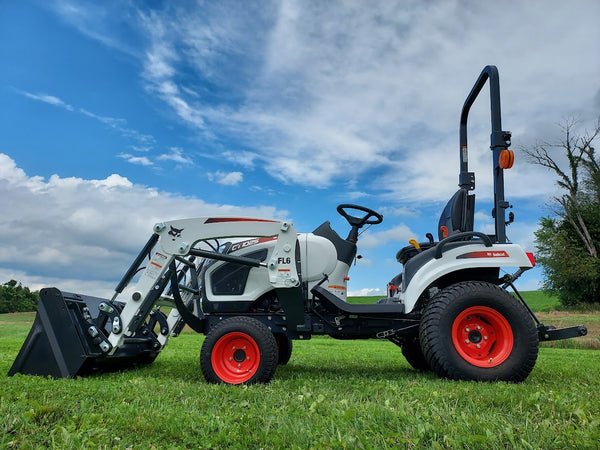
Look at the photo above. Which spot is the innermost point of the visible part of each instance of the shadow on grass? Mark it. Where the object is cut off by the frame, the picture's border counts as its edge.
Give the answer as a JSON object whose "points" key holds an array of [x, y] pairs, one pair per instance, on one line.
{"points": [[358, 372], [188, 370]]}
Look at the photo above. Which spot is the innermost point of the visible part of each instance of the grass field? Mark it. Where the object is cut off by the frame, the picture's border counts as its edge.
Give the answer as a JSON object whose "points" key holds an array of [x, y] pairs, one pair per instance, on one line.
{"points": [[332, 394]]}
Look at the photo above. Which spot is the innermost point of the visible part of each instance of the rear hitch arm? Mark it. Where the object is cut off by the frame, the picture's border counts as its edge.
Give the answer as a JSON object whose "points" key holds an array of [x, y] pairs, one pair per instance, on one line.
{"points": [[551, 333], [547, 332]]}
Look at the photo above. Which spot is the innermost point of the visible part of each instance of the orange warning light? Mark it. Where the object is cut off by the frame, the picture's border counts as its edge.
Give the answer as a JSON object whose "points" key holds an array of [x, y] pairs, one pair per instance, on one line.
{"points": [[506, 158]]}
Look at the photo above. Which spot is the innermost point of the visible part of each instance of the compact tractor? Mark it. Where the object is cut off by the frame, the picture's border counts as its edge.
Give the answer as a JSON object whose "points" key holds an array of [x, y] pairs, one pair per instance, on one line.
{"points": [[252, 286]]}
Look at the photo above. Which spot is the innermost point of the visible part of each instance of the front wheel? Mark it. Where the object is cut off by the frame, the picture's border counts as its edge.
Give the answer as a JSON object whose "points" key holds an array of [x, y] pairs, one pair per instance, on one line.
{"points": [[478, 331], [284, 348], [239, 350]]}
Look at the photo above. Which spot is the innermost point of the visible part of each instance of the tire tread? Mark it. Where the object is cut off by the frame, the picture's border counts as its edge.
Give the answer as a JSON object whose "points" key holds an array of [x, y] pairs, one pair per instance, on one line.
{"points": [[255, 329], [434, 341]]}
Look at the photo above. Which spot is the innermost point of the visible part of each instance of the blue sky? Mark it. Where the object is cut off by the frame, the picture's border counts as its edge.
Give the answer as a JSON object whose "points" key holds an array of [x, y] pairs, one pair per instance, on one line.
{"points": [[115, 115]]}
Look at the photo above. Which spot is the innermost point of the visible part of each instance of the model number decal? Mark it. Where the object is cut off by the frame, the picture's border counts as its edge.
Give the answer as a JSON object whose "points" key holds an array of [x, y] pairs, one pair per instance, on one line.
{"points": [[284, 260], [244, 244], [484, 254]]}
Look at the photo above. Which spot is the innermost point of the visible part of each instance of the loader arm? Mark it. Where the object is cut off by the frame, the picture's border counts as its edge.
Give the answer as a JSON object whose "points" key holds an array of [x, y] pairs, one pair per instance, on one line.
{"points": [[76, 334], [177, 239]]}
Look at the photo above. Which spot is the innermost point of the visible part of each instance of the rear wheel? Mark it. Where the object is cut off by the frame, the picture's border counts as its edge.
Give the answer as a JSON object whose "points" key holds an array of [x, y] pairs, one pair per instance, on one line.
{"points": [[411, 350], [478, 331], [239, 350]]}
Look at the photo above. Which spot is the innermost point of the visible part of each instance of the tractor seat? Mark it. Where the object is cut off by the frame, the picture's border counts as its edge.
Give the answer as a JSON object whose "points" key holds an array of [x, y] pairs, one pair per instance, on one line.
{"points": [[457, 217], [406, 253]]}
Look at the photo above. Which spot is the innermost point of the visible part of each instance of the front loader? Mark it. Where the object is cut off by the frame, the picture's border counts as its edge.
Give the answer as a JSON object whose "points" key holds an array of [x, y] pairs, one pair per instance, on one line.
{"points": [[252, 286]]}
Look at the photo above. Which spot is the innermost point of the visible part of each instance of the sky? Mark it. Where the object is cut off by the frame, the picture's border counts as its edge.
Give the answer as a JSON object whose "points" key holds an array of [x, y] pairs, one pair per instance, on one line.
{"points": [[115, 115]]}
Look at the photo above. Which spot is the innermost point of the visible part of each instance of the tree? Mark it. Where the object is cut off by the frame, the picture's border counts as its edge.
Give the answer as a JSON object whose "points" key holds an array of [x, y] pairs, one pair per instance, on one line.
{"points": [[568, 244], [16, 298]]}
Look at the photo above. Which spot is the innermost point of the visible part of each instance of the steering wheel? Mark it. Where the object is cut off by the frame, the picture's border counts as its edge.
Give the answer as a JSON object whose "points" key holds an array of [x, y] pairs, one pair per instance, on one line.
{"points": [[358, 222]]}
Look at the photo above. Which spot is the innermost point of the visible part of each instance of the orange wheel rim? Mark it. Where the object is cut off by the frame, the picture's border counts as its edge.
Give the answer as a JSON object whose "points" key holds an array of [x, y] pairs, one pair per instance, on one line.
{"points": [[235, 358], [482, 336]]}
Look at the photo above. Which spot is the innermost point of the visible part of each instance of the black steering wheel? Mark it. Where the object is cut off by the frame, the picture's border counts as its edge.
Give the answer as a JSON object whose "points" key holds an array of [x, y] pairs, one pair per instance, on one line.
{"points": [[358, 222]]}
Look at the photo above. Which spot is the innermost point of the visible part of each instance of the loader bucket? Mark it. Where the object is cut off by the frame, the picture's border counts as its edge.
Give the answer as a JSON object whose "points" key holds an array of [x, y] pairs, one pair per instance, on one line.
{"points": [[59, 344]]}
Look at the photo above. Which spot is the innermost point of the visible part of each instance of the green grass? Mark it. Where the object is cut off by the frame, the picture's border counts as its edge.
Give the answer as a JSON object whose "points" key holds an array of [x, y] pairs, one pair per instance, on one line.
{"points": [[332, 394], [540, 301]]}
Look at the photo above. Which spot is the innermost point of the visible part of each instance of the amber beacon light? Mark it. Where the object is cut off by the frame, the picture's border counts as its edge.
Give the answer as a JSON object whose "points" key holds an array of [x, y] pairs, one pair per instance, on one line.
{"points": [[506, 158]]}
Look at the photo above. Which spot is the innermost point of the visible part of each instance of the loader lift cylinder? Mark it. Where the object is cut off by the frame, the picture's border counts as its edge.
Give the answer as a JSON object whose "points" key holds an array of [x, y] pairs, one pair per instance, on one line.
{"points": [[133, 269]]}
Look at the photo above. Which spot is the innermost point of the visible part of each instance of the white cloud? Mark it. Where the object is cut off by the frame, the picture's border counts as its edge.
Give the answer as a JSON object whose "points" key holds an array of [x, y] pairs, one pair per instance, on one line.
{"points": [[36, 282], [243, 158], [85, 233], [366, 292], [140, 148], [484, 222], [139, 160], [398, 233], [105, 22], [120, 125], [397, 211], [176, 155], [324, 91], [355, 195], [50, 99], [116, 123], [226, 178], [113, 122]]}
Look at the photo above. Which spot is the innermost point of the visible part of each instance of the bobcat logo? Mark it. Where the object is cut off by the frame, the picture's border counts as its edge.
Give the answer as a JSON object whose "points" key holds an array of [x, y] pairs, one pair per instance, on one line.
{"points": [[175, 232]]}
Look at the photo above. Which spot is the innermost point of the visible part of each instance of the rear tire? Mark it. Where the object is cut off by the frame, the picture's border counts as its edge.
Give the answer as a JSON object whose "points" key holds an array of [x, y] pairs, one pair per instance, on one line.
{"points": [[239, 350], [478, 331], [411, 350]]}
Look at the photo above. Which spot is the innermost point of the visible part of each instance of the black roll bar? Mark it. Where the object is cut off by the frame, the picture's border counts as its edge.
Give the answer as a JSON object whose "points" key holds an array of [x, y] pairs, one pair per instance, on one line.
{"points": [[499, 140]]}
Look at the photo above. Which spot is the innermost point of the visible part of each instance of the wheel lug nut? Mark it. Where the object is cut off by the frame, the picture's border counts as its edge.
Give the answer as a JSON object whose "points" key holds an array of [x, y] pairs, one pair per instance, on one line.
{"points": [[485, 338], [466, 341], [478, 346], [467, 330], [478, 327]]}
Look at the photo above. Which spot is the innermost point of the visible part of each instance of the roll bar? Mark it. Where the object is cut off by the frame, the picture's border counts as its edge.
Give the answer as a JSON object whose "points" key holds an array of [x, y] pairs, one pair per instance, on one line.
{"points": [[499, 140]]}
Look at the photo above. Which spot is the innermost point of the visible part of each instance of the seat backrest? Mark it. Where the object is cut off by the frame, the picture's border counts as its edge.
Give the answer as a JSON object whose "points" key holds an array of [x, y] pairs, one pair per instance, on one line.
{"points": [[459, 214]]}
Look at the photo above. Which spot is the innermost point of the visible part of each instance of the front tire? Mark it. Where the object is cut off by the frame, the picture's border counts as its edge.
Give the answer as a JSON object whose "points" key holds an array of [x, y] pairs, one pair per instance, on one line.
{"points": [[239, 350], [478, 331], [284, 348]]}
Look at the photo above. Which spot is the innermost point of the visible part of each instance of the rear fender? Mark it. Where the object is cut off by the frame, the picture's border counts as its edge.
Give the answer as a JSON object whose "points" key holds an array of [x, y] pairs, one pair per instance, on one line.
{"points": [[473, 256]]}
